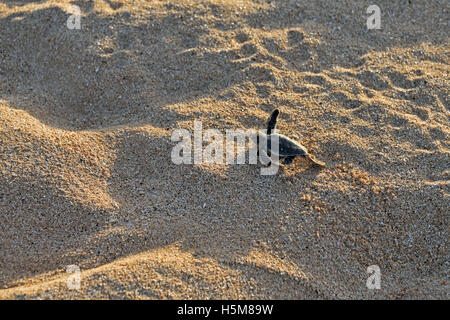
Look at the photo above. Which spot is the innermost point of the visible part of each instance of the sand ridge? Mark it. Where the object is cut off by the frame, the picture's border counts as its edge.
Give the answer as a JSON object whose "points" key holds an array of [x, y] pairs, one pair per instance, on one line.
{"points": [[86, 118]]}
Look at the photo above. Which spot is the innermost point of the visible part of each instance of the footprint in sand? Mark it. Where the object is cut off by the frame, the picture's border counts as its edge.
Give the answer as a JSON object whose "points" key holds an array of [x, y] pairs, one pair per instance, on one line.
{"points": [[400, 80], [418, 97], [318, 80], [422, 113], [248, 49], [375, 113], [345, 101], [372, 81], [242, 37], [114, 4], [295, 51]]}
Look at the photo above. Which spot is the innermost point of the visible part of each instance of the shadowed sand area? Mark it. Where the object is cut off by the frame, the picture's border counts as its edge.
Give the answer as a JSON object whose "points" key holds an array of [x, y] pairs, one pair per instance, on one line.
{"points": [[86, 179]]}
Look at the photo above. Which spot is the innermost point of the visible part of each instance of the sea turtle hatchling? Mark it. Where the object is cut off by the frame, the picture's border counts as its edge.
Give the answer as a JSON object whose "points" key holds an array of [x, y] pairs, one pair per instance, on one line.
{"points": [[288, 148]]}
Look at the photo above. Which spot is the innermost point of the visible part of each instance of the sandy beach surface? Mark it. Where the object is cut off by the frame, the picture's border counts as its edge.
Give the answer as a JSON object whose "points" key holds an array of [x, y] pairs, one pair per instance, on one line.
{"points": [[86, 177]]}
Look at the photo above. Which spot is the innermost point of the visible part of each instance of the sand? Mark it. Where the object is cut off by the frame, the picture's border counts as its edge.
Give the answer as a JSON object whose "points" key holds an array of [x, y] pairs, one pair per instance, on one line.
{"points": [[86, 178]]}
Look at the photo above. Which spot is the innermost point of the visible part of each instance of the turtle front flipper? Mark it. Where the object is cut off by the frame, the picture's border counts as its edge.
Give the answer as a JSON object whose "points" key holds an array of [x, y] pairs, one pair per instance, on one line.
{"points": [[315, 161], [272, 121]]}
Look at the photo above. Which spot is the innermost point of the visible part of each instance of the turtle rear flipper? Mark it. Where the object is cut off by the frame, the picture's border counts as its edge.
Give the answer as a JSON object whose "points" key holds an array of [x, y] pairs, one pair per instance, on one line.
{"points": [[288, 160], [272, 121]]}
